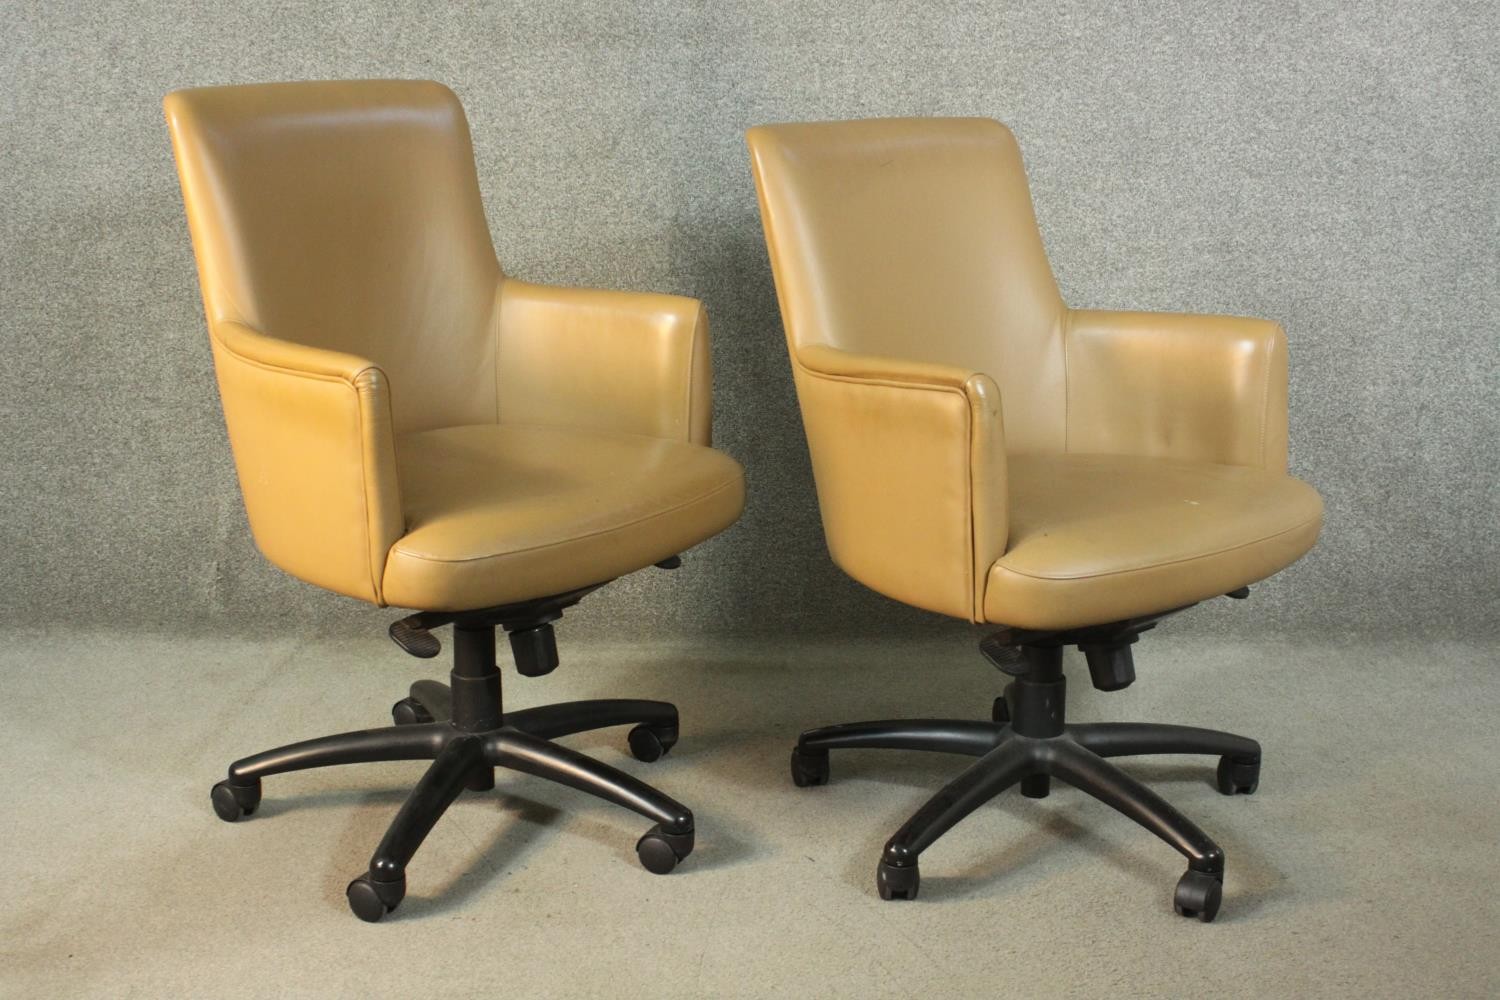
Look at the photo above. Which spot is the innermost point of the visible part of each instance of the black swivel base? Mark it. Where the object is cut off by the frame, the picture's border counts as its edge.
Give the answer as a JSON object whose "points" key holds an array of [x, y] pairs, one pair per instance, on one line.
{"points": [[463, 731], [1029, 744]]}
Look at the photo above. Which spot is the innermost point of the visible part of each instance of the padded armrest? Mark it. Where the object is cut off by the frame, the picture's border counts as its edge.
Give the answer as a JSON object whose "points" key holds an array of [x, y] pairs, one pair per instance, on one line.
{"points": [[1202, 388], [625, 361], [910, 464], [313, 444]]}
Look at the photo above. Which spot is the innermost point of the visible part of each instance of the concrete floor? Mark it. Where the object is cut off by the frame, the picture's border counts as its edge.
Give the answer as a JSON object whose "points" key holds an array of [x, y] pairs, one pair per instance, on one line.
{"points": [[1365, 866]]}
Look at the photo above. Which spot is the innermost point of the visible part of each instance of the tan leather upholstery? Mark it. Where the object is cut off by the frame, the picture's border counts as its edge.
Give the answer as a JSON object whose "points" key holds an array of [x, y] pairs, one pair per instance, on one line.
{"points": [[578, 506], [1207, 388], [563, 352], [389, 392], [910, 465], [1100, 538], [980, 449], [311, 434]]}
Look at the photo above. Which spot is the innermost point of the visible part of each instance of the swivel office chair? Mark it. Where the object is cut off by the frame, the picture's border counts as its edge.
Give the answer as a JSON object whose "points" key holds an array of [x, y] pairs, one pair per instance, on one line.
{"points": [[983, 451], [413, 428]]}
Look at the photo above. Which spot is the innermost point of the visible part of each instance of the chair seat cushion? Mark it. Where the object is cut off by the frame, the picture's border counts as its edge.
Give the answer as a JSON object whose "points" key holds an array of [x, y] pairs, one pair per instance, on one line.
{"points": [[500, 513], [1099, 538]]}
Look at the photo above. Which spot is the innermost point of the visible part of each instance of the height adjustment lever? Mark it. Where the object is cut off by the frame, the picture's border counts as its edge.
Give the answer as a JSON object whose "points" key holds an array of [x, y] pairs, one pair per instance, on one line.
{"points": [[414, 634], [1006, 657], [1006, 649]]}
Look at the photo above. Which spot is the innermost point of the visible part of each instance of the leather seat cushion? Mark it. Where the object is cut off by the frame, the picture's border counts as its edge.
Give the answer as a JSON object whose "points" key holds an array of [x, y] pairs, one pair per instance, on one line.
{"points": [[1099, 538], [502, 513]]}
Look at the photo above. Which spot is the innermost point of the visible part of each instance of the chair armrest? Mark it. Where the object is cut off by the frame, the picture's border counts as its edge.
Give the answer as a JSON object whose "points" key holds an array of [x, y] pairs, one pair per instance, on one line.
{"points": [[625, 361], [312, 440], [1204, 388], [909, 460]]}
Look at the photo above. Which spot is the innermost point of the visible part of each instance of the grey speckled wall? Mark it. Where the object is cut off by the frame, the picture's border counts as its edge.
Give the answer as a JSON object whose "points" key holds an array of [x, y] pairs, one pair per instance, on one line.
{"points": [[1331, 165]]}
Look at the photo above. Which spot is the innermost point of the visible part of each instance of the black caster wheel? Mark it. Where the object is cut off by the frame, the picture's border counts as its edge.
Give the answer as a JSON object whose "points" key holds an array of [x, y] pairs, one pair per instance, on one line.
{"points": [[648, 744], [233, 801], [660, 851], [370, 900], [897, 882], [809, 767], [410, 712], [1199, 894], [1238, 777], [1000, 711], [1036, 786]]}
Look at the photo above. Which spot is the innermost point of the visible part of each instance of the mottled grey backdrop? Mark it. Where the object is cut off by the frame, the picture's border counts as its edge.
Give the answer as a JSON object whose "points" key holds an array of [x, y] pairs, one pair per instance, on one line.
{"points": [[1331, 165]]}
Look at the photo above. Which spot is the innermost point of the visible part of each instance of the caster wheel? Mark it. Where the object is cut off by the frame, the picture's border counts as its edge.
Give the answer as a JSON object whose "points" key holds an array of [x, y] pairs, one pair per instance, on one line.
{"points": [[371, 900], [1238, 777], [648, 744], [897, 882], [233, 801], [809, 767], [410, 712], [1036, 786], [1198, 895], [1000, 711], [660, 851]]}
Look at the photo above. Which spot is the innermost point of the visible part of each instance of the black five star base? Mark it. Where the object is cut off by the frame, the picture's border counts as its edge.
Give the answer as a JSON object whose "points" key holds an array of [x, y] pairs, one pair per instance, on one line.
{"points": [[1028, 743], [463, 731]]}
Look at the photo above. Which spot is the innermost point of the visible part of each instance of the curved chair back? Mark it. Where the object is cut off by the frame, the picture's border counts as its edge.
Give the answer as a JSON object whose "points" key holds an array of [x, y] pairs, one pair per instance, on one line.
{"points": [[350, 287], [346, 216], [915, 239]]}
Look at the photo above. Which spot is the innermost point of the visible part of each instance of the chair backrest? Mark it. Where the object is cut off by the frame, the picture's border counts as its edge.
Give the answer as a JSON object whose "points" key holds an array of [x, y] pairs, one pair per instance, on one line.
{"points": [[346, 216], [916, 239]]}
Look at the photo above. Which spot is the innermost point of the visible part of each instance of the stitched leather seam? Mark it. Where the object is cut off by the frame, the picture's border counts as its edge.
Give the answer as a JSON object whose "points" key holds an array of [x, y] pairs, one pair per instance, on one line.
{"points": [[369, 380], [1265, 398], [971, 571], [608, 431], [364, 493], [567, 541], [883, 382], [1175, 562], [1067, 378], [282, 369], [692, 368], [499, 338]]}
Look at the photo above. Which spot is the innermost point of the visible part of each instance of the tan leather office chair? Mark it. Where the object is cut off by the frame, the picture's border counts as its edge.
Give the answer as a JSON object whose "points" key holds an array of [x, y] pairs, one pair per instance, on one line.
{"points": [[411, 427], [983, 451]]}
